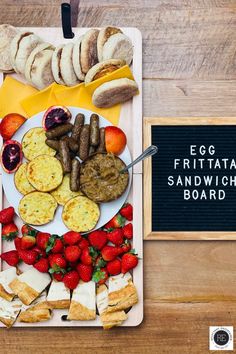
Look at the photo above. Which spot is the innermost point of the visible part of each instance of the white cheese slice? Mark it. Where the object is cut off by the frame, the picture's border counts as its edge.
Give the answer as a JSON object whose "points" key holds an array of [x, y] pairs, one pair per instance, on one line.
{"points": [[102, 300], [36, 280], [58, 291], [9, 309], [6, 277], [85, 294], [118, 282]]}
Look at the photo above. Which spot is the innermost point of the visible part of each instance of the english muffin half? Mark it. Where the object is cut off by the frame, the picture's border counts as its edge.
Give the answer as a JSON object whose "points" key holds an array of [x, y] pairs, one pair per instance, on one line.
{"points": [[21, 47], [102, 69], [76, 59], [104, 34], [113, 92], [37, 208], [89, 57], [118, 46], [56, 68], [21, 182], [7, 33], [44, 173], [66, 65]]}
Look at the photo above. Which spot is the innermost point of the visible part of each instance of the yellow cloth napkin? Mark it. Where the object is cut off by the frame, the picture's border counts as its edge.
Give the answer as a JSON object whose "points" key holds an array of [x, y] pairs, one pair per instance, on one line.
{"points": [[12, 92]]}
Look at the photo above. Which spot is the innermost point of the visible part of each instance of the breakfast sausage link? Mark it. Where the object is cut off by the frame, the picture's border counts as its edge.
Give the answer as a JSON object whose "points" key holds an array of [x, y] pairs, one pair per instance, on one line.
{"points": [[59, 131], [54, 144], [76, 130], [73, 144], [74, 176], [92, 150], [65, 155], [84, 142], [94, 130], [102, 145]]}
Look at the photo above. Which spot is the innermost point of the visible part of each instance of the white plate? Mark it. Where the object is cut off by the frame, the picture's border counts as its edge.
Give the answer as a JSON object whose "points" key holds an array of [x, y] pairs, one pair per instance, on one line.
{"points": [[108, 210]]}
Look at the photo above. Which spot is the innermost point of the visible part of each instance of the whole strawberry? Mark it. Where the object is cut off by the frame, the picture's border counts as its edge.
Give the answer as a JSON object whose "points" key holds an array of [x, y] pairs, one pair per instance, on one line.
{"points": [[6, 215], [42, 240], [99, 262], [83, 243], [27, 242], [128, 262], [41, 253], [100, 275], [58, 276], [9, 231], [109, 253], [71, 238], [115, 222], [125, 247], [72, 253], [88, 255], [127, 211], [28, 230], [71, 279], [42, 265], [11, 257], [17, 242], [98, 239], [116, 236], [128, 231], [114, 267], [55, 244], [28, 256], [85, 272], [57, 263]]}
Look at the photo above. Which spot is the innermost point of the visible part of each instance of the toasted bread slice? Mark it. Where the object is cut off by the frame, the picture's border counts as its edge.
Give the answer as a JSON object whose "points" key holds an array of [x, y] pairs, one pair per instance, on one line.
{"points": [[114, 92], [118, 46], [103, 68], [7, 33], [58, 295], [66, 66], [56, 67], [9, 311], [83, 304], [6, 277], [21, 182], [88, 55], [37, 208], [29, 285], [104, 34], [76, 59]]}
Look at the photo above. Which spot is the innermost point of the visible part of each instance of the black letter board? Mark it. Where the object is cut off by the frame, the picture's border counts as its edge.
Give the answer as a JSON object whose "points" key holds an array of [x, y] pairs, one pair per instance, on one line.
{"points": [[190, 190]]}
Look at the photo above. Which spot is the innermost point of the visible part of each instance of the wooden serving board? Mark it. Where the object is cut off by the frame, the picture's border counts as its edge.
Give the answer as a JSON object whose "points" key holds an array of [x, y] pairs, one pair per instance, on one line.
{"points": [[131, 123]]}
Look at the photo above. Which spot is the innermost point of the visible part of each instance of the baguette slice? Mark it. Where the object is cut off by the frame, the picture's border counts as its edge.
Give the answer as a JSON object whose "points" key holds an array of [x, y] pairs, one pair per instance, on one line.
{"points": [[118, 46], [88, 56], [83, 303], [76, 59], [58, 295], [56, 69], [6, 277], [66, 66], [29, 285], [9, 311], [7, 33], [104, 34]]}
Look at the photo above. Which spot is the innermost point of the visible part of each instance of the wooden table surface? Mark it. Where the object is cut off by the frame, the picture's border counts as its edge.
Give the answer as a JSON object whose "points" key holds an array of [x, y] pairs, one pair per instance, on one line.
{"points": [[189, 69]]}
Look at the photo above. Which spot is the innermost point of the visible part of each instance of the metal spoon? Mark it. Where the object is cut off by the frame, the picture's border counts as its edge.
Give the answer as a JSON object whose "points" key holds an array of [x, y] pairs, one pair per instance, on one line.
{"points": [[151, 150]]}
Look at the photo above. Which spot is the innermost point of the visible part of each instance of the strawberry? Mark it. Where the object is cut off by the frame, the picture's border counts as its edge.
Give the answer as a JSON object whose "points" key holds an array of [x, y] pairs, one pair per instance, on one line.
{"points": [[11, 257], [127, 211], [98, 239], [83, 243], [116, 236], [128, 231], [85, 272], [28, 256], [55, 244], [42, 239], [41, 253], [72, 253], [28, 230], [71, 238], [42, 265], [115, 222], [57, 263], [88, 255], [17, 242], [128, 261], [100, 275], [100, 263], [114, 267], [6, 215], [126, 247], [71, 279], [58, 276], [109, 253], [27, 242], [10, 124], [9, 231]]}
